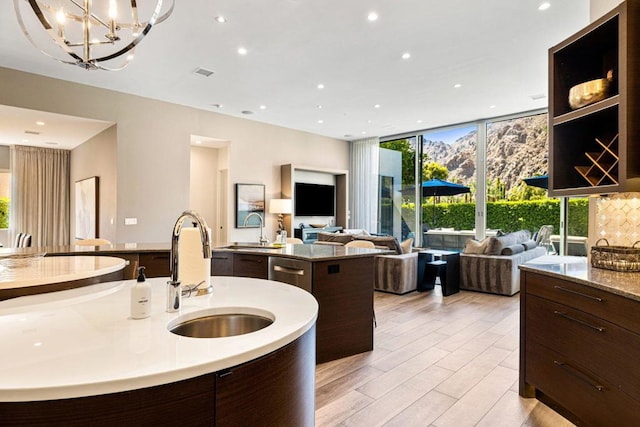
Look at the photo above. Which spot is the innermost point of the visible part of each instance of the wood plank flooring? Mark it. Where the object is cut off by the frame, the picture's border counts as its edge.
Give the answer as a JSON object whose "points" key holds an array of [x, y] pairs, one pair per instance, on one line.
{"points": [[436, 362]]}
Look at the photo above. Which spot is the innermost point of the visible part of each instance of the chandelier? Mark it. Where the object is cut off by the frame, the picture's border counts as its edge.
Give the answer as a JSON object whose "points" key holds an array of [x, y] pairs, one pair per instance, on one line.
{"points": [[95, 34]]}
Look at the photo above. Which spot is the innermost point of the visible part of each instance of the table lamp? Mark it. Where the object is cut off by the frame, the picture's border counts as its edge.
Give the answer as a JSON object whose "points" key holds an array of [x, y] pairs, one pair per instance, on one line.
{"points": [[280, 207]]}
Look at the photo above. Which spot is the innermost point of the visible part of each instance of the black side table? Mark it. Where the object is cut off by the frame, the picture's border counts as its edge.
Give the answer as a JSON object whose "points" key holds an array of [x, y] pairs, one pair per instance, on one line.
{"points": [[434, 263]]}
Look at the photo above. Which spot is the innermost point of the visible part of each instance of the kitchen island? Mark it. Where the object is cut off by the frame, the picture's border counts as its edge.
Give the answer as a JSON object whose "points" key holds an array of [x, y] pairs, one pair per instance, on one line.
{"points": [[580, 340], [77, 358]]}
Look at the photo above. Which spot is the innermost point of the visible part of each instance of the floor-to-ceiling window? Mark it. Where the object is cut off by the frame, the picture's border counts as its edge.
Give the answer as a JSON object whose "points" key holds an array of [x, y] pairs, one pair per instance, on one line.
{"points": [[490, 157]]}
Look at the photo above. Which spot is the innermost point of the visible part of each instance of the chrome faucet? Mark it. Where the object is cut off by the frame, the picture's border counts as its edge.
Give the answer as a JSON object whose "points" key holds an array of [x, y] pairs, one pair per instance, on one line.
{"points": [[174, 290], [263, 240]]}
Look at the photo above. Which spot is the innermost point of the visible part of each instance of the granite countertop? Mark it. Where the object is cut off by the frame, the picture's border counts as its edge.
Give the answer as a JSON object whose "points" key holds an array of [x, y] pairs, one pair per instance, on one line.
{"points": [[305, 252], [82, 342], [579, 270]]}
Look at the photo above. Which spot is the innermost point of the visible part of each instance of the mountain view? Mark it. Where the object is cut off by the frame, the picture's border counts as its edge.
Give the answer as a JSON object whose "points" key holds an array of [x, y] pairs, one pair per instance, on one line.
{"points": [[516, 149]]}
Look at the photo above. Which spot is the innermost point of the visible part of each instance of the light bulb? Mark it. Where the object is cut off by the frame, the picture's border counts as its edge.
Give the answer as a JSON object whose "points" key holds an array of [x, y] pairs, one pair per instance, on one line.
{"points": [[113, 9], [60, 17]]}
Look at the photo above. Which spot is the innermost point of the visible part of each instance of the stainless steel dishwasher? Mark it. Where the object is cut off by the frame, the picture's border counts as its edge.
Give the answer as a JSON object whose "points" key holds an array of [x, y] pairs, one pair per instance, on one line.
{"points": [[292, 271]]}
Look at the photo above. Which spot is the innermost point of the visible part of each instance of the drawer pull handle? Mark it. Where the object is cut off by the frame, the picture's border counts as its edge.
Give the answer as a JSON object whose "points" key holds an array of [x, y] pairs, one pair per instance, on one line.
{"points": [[288, 270], [579, 375], [582, 322], [571, 291], [257, 261]]}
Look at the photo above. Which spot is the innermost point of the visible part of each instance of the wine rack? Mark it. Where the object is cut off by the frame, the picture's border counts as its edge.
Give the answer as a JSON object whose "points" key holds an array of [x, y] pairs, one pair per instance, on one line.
{"points": [[603, 169]]}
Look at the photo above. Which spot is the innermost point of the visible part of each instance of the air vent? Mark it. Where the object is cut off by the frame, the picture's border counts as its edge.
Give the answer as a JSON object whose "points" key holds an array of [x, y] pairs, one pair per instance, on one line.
{"points": [[203, 72], [31, 132]]}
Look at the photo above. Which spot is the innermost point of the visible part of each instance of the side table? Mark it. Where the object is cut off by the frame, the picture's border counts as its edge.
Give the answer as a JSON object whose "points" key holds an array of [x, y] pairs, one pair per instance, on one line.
{"points": [[443, 264]]}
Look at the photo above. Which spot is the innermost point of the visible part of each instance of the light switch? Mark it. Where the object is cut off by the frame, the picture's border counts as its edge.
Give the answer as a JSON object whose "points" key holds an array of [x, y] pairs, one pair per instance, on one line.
{"points": [[130, 221]]}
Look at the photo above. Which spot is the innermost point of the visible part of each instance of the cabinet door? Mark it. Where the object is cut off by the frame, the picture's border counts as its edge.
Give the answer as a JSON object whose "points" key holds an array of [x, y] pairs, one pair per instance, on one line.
{"points": [[246, 265], [344, 290], [156, 263], [221, 264], [275, 390]]}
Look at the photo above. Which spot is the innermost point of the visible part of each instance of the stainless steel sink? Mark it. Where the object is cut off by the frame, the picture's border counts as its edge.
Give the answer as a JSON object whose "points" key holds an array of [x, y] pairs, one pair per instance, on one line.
{"points": [[221, 325]]}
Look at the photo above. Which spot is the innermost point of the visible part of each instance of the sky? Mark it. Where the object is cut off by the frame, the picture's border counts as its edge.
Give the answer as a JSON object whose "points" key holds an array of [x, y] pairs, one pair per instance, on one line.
{"points": [[449, 136]]}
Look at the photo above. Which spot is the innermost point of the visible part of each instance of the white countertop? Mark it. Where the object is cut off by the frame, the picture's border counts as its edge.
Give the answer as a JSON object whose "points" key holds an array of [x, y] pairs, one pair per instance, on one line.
{"points": [[82, 342], [56, 269]]}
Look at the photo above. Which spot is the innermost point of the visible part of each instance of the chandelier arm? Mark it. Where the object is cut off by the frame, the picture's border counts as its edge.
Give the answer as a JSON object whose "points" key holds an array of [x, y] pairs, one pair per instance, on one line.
{"points": [[48, 28], [141, 36]]}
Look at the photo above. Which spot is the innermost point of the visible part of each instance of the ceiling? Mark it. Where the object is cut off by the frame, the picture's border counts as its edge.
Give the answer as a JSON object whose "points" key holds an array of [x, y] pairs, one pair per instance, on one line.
{"points": [[494, 50]]}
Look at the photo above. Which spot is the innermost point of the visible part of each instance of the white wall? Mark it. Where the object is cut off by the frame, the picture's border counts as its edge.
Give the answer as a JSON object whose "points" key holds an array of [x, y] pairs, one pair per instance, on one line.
{"points": [[204, 184], [153, 149], [600, 7], [97, 157]]}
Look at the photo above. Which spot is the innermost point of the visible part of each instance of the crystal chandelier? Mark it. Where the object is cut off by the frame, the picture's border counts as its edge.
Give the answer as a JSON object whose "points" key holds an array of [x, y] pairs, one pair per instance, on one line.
{"points": [[95, 34]]}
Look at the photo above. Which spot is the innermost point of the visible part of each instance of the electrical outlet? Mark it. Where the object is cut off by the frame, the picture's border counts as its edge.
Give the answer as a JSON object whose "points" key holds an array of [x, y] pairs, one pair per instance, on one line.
{"points": [[130, 221]]}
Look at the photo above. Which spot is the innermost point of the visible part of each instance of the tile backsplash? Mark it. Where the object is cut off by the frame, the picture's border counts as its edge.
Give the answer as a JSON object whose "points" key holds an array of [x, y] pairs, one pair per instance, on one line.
{"points": [[618, 218]]}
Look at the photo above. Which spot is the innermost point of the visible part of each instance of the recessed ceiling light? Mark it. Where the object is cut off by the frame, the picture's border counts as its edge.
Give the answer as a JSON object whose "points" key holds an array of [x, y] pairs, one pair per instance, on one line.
{"points": [[263, 107], [492, 106], [538, 96], [39, 123], [372, 16], [369, 121], [348, 135], [242, 51], [51, 143], [247, 112], [321, 121], [457, 85], [418, 121], [319, 107], [130, 57], [406, 55], [544, 5], [220, 19], [376, 106], [320, 86], [364, 132]]}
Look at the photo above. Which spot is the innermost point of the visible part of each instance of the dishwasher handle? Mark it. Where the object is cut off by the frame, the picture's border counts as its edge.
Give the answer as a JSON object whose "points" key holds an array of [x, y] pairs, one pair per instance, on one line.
{"points": [[288, 270]]}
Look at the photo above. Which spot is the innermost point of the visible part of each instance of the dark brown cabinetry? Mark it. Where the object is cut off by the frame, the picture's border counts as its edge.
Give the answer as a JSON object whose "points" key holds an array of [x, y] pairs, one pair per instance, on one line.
{"points": [[595, 149], [579, 350], [274, 390]]}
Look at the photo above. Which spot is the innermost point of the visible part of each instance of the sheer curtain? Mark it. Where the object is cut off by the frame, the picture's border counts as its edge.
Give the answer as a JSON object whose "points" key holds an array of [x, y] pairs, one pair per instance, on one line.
{"points": [[363, 203], [40, 194]]}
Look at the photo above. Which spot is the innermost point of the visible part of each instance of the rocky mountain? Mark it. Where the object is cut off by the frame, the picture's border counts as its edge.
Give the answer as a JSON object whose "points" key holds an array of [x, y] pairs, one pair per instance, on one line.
{"points": [[516, 149]]}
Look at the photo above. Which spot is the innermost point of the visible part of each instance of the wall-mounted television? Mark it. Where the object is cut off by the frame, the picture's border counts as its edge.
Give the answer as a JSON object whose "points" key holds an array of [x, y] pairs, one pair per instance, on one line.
{"points": [[314, 199]]}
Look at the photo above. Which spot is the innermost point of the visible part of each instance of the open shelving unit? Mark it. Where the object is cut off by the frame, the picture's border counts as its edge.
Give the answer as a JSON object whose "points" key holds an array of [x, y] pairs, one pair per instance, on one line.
{"points": [[595, 149]]}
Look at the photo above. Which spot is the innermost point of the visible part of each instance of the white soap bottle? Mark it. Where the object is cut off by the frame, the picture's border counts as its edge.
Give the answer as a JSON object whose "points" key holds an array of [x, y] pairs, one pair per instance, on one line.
{"points": [[141, 297]]}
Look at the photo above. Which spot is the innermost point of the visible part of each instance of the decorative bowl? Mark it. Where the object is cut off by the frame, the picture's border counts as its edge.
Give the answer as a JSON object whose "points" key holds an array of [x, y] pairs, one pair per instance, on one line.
{"points": [[20, 260], [589, 92], [318, 225]]}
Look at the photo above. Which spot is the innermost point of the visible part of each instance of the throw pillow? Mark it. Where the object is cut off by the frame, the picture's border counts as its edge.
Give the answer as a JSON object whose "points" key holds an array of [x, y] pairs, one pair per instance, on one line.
{"points": [[497, 244], [383, 241], [335, 237], [529, 244], [513, 249], [406, 245], [472, 246]]}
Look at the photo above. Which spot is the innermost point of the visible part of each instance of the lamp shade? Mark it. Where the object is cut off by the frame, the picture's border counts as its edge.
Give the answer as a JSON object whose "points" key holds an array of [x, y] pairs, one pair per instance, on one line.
{"points": [[280, 206]]}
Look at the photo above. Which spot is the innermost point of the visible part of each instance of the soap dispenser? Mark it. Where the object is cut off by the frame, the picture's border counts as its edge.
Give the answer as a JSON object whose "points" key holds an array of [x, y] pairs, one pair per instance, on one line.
{"points": [[141, 297]]}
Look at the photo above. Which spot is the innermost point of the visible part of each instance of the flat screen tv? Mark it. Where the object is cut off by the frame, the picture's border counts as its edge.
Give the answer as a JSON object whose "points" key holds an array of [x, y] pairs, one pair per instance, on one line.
{"points": [[314, 199]]}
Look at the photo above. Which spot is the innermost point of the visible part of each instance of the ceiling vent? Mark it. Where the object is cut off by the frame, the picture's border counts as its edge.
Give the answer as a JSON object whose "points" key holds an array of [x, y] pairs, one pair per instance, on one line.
{"points": [[31, 132], [203, 72]]}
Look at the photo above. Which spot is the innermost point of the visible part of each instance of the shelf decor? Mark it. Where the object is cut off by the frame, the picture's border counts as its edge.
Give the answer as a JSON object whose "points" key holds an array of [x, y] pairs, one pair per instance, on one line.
{"points": [[86, 209]]}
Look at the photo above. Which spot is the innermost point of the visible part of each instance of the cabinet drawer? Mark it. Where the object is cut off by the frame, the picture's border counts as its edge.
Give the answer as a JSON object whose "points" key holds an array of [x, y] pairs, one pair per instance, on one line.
{"points": [[245, 265], [622, 311], [598, 345], [157, 264], [221, 263], [592, 400]]}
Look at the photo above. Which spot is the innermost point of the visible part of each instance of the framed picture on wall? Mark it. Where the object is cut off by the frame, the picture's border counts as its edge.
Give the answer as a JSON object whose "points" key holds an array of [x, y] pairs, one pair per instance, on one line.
{"points": [[87, 208], [249, 200]]}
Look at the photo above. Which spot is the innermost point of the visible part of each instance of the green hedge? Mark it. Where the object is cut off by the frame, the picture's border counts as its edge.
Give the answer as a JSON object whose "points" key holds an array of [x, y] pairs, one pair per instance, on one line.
{"points": [[4, 212], [506, 216]]}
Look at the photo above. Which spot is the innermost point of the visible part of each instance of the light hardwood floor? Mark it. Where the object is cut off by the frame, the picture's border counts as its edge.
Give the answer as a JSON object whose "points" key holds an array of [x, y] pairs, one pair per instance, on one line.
{"points": [[436, 362]]}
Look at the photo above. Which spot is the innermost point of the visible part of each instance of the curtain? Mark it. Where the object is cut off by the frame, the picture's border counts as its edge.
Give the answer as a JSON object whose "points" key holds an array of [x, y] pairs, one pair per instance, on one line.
{"points": [[40, 195], [363, 188]]}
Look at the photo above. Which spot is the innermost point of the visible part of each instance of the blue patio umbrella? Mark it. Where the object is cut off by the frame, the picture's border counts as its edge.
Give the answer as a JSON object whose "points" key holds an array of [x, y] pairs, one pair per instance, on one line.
{"points": [[541, 181], [437, 187]]}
